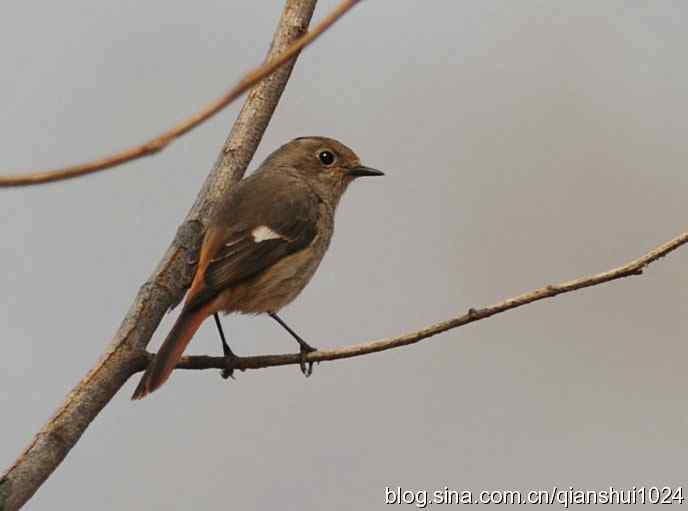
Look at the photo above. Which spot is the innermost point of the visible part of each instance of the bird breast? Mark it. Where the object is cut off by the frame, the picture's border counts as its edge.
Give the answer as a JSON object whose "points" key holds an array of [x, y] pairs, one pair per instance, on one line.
{"points": [[281, 283]]}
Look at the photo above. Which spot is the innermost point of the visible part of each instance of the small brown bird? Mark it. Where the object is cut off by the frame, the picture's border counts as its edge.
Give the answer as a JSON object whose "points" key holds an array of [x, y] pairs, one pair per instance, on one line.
{"points": [[263, 244]]}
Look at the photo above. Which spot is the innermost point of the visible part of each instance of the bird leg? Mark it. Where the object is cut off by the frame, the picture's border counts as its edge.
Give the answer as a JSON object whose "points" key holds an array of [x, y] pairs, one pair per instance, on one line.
{"points": [[304, 347], [231, 360]]}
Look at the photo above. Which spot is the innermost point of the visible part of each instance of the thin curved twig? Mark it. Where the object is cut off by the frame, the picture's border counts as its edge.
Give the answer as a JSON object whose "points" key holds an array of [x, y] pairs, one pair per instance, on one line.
{"points": [[634, 267], [159, 143]]}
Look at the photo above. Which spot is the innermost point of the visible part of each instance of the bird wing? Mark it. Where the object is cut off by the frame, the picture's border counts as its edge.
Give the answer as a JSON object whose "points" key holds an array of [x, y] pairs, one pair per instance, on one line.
{"points": [[259, 226]]}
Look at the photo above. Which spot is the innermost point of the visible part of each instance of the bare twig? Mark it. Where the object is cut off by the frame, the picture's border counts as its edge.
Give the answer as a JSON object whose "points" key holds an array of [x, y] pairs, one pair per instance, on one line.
{"points": [[632, 268], [158, 143], [163, 289]]}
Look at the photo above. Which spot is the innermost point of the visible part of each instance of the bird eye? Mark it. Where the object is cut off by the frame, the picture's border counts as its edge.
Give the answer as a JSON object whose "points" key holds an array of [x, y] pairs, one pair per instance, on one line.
{"points": [[326, 158]]}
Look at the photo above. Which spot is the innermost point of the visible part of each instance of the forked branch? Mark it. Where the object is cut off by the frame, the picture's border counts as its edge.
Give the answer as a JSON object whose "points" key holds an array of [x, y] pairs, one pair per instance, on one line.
{"points": [[164, 287], [159, 143]]}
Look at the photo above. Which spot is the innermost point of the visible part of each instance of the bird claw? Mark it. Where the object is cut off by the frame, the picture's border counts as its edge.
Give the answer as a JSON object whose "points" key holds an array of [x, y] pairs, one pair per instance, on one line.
{"points": [[231, 364], [306, 367]]}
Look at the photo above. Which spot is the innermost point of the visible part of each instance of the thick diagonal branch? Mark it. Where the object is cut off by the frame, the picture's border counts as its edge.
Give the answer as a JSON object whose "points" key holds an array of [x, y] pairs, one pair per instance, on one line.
{"points": [[164, 288]]}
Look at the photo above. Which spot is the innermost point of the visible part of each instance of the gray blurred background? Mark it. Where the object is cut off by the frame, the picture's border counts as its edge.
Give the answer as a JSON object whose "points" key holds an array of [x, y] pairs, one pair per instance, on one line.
{"points": [[525, 143]]}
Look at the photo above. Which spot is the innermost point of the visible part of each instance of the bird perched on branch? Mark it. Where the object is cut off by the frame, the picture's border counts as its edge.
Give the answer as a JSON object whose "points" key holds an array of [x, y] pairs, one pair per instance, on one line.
{"points": [[263, 244]]}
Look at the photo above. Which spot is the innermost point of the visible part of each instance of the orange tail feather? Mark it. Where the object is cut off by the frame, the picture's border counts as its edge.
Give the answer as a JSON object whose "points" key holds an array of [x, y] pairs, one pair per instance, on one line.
{"points": [[171, 351]]}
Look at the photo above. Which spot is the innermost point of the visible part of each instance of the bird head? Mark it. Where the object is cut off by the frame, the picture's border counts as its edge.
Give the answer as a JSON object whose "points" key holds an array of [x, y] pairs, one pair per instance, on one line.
{"points": [[326, 165]]}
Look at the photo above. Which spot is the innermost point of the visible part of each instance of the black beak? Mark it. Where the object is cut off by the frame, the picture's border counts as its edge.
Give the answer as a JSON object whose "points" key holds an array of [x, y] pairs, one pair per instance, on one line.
{"points": [[361, 171]]}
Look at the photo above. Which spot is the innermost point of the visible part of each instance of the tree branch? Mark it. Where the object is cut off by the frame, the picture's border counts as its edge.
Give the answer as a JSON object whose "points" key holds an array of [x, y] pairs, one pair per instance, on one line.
{"points": [[634, 267], [163, 289], [159, 143]]}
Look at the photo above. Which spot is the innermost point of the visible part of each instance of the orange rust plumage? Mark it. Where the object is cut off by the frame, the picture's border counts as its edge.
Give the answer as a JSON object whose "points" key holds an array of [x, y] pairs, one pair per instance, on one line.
{"points": [[183, 330]]}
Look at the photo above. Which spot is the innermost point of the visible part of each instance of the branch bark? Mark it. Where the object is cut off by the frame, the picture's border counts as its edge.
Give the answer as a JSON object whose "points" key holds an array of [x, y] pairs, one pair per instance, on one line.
{"points": [[163, 289], [157, 144], [634, 267]]}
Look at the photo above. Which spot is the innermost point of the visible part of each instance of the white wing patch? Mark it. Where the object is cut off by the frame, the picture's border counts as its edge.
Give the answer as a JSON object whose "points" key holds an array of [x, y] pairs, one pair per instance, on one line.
{"points": [[264, 233]]}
